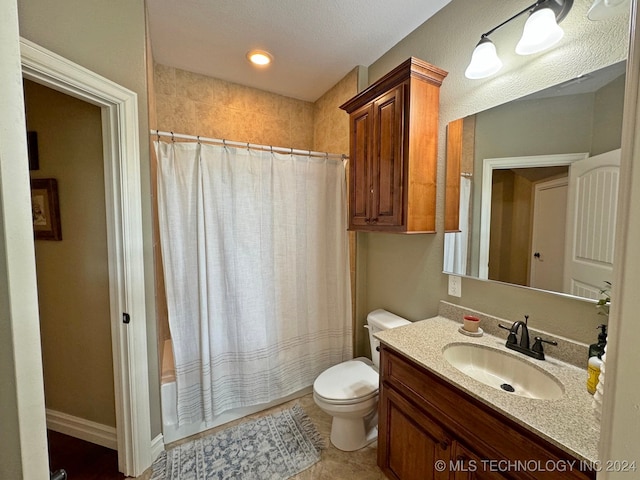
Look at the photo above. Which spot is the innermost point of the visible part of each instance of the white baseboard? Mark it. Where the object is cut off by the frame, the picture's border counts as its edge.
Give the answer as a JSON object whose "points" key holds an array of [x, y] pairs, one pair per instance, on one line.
{"points": [[157, 446], [83, 429]]}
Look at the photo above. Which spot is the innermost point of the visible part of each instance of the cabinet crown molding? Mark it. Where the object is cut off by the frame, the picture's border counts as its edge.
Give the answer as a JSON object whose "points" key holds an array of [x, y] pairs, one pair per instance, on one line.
{"points": [[411, 68]]}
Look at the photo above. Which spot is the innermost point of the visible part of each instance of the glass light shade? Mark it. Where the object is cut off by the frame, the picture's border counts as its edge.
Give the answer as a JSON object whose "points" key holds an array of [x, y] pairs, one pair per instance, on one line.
{"points": [[484, 61], [541, 31]]}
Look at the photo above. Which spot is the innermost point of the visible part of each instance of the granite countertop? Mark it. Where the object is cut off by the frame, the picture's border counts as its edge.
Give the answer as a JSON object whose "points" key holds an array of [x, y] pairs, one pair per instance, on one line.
{"points": [[568, 422]]}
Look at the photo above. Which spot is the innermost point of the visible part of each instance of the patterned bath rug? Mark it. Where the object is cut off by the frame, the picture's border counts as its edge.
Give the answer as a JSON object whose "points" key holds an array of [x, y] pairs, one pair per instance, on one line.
{"points": [[274, 447]]}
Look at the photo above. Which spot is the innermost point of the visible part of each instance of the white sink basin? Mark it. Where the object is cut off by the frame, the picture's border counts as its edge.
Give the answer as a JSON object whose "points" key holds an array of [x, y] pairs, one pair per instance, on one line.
{"points": [[500, 370]]}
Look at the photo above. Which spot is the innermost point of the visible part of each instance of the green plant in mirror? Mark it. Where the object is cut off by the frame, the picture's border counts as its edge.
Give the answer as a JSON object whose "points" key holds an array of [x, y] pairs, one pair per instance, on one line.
{"points": [[605, 300]]}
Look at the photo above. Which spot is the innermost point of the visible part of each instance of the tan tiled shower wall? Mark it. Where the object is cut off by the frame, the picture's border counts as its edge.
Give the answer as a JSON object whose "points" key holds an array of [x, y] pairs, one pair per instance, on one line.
{"points": [[195, 104], [330, 124]]}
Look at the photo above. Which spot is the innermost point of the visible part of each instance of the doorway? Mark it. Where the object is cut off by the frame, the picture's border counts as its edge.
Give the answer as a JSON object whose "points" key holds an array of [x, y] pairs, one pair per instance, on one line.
{"points": [[489, 165], [121, 155], [73, 266]]}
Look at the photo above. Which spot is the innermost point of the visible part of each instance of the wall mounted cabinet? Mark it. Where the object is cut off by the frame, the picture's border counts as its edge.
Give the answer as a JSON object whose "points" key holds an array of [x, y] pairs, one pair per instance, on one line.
{"points": [[393, 151], [425, 421]]}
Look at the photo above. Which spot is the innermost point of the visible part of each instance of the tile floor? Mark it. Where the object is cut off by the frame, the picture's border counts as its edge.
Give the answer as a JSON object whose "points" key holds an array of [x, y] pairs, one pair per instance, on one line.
{"points": [[334, 464]]}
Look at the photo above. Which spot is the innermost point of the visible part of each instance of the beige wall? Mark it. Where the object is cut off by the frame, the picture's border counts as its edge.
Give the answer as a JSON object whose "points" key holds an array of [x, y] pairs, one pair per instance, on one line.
{"points": [[73, 275], [404, 272], [107, 38], [607, 121]]}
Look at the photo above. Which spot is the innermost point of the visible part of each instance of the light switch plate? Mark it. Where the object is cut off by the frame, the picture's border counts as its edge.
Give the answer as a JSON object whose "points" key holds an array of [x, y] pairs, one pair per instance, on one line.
{"points": [[455, 286]]}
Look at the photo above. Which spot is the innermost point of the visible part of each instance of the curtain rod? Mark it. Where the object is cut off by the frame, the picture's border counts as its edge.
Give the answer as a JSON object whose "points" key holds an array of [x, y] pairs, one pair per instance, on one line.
{"points": [[254, 146]]}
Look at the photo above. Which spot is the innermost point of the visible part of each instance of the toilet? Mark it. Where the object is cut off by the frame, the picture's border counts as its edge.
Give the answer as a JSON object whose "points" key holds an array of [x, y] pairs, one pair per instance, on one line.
{"points": [[349, 391]]}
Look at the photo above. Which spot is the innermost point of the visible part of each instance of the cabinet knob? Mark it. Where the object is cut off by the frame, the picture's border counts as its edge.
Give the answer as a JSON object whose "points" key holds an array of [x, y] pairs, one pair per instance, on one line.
{"points": [[444, 443], [374, 220]]}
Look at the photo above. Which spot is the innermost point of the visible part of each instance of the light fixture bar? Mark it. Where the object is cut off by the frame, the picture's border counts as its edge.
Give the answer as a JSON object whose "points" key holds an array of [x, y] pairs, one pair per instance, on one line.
{"points": [[485, 51], [529, 8]]}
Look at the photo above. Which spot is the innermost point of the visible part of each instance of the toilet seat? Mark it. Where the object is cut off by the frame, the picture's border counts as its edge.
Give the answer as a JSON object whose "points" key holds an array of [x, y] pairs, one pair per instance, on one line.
{"points": [[349, 382]]}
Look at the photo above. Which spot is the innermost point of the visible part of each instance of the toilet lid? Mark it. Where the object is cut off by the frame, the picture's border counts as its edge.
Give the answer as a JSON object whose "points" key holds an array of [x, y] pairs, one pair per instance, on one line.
{"points": [[350, 380]]}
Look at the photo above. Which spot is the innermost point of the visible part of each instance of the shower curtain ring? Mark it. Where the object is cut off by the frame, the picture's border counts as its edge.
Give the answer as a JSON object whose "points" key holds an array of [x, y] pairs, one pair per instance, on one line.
{"points": [[271, 147], [172, 138], [198, 137]]}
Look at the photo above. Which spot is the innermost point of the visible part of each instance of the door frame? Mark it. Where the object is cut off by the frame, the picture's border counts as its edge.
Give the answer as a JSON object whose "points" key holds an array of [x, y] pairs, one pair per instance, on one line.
{"points": [[491, 164], [121, 152]]}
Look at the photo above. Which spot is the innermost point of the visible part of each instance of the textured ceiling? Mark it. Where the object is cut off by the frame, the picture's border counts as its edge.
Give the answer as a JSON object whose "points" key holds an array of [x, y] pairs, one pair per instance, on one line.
{"points": [[315, 43]]}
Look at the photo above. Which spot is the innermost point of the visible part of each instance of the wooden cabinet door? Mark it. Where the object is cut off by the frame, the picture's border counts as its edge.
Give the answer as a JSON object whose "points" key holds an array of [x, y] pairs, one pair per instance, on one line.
{"points": [[393, 151], [410, 445], [361, 137], [466, 465], [387, 162]]}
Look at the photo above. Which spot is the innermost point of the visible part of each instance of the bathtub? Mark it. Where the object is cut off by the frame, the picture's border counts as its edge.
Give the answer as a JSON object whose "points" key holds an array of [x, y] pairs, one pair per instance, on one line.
{"points": [[168, 397]]}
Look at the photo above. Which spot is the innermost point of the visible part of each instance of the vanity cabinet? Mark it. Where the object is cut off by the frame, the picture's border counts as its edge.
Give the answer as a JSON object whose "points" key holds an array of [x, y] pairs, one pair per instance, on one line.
{"points": [[424, 419], [393, 150]]}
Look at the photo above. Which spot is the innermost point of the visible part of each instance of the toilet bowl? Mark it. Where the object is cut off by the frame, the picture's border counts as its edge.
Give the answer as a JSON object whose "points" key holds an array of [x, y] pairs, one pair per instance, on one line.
{"points": [[349, 391]]}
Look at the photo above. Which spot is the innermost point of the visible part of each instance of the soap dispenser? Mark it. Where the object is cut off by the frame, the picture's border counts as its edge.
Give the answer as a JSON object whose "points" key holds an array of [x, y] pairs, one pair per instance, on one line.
{"points": [[596, 350]]}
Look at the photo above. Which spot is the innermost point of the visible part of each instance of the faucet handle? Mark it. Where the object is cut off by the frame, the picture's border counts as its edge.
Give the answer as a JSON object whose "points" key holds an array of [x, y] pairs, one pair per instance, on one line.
{"points": [[511, 339], [537, 346]]}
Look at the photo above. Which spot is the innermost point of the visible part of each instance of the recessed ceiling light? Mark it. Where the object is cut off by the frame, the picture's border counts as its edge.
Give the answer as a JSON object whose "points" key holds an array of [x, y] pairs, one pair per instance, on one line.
{"points": [[259, 57]]}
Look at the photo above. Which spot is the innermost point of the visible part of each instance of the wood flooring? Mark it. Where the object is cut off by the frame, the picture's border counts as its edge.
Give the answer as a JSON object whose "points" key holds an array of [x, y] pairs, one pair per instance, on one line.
{"points": [[82, 460]]}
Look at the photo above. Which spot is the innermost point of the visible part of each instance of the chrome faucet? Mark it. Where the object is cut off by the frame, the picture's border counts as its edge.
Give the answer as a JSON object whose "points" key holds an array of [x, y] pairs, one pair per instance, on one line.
{"points": [[523, 346]]}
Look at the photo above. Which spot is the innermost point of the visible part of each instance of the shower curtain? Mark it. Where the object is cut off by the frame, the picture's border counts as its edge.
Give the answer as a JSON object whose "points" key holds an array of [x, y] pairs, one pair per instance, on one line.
{"points": [[255, 253], [456, 243]]}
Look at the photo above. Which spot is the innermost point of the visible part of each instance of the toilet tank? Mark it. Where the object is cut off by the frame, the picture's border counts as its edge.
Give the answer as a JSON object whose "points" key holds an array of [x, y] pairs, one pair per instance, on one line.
{"points": [[377, 321]]}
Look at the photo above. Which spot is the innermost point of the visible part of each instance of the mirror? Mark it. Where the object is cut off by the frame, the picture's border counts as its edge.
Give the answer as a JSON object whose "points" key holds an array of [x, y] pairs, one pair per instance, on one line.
{"points": [[537, 188]]}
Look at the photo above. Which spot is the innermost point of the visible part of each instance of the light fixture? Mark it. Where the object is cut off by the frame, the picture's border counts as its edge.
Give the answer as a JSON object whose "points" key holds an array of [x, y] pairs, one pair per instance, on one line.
{"points": [[260, 58], [484, 60], [540, 32], [603, 9]]}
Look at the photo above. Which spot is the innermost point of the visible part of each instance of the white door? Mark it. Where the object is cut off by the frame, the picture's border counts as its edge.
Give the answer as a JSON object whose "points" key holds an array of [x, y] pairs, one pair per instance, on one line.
{"points": [[591, 220], [548, 234]]}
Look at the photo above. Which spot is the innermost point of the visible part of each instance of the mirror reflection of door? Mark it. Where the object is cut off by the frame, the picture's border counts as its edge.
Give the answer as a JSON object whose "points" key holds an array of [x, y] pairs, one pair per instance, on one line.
{"points": [[517, 194], [546, 258], [591, 216]]}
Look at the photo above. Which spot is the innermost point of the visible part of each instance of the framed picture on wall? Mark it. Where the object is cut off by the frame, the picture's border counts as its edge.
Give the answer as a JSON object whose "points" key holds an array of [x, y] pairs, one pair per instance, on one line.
{"points": [[45, 209]]}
